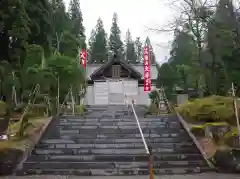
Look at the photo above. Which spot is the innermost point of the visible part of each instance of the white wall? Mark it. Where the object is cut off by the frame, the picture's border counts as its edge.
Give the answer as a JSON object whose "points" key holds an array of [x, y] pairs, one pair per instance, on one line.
{"points": [[142, 96], [89, 97]]}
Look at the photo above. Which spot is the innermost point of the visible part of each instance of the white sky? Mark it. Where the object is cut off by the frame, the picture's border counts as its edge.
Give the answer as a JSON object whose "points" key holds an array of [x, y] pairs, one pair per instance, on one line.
{"points": [[137, 15]]}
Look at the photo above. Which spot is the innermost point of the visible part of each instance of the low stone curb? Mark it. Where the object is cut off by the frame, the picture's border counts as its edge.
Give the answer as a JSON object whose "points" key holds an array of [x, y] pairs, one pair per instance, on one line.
{"points": [[186, 127], [37, 134]]}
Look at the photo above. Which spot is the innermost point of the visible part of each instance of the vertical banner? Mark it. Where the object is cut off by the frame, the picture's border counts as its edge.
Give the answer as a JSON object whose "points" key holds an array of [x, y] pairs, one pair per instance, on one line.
{"points": [[147, 70], [83, 58]]}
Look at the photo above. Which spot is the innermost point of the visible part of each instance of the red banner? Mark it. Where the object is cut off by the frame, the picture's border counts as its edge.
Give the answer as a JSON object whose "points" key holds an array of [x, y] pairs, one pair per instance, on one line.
{"points": [[147, 70], [83, 58]]}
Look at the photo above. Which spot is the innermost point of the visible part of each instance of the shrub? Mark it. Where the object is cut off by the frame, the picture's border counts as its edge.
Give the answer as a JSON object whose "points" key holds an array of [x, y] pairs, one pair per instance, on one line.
{"points": [[231, 138], [34, 110], [3, 108], [208, 109], [153, 109], [80, 109], [154, 96], [198, 130]]}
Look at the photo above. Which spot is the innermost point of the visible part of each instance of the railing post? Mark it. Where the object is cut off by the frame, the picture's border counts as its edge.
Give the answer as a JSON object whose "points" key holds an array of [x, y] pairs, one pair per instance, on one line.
{"points": [[150, 163]]}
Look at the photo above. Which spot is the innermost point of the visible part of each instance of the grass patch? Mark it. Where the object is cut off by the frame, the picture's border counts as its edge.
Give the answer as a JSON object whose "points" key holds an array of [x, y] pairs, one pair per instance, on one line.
{"points": [[208, 109]]}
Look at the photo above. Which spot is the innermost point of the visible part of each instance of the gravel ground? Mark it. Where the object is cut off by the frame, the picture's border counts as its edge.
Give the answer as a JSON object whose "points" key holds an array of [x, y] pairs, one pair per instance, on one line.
{"points": [[196, 176]]}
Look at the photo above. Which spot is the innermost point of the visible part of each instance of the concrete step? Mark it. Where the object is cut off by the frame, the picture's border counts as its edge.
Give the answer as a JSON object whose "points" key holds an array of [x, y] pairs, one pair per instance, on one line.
{"points": [[74, 139], [117, 158], [112, 146], [109, 143], [157, 131], [92, 151], [111, 165], [76, 135], [127, 121], [113, 172], [146, 131], [97, 119], [171, 127]]}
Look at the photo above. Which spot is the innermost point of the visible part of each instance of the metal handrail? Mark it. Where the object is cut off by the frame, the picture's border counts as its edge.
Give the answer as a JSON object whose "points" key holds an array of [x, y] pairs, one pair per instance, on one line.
{"points": [[140, 130]]}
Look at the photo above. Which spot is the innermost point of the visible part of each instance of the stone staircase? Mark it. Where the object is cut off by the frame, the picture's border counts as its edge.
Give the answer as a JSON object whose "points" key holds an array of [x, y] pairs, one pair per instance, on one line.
{"points": [[108, 142]]}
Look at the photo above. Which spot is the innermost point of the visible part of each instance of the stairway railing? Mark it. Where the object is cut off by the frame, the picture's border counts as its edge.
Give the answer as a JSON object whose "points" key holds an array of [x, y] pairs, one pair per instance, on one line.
{"points": [[139, 128], [147, 148]]}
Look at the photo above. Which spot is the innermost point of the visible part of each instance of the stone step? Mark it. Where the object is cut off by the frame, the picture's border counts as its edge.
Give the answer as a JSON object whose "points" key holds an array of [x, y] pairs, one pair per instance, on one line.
{"points": [[113, 172], [112, 146], [120, 124], [111, 165], [76, 135], [97, 119], [73, 139], [112, 132], [113, 158], [135, 151], [156, 131], [121, 127]]}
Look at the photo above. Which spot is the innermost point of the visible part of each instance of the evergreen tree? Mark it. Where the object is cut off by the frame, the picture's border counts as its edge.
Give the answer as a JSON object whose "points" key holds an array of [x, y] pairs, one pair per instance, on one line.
{"points": [[90, 46], [139, 50], [41, 26], [152, 55], [183, 48], [99, 44], [61, 21], [130, 53], [14, 31], [77, 27], [115, 43], [222, 44]]}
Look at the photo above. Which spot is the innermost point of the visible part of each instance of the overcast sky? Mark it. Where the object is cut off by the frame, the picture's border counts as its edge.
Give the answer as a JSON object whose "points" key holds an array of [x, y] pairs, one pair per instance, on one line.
{"points": [[136, 15]]}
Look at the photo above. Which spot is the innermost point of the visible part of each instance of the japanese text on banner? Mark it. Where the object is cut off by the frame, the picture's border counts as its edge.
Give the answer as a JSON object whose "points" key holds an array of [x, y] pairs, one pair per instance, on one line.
{"points": [[147, 70], [83, 58]]}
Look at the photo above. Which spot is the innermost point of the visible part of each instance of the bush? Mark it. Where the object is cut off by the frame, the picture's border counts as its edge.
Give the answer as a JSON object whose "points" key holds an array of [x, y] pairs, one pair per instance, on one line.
{"points": [[153, 109], [231, 138], [9, 158], [224, 161], [81, 109], [154, 96], [198, 131], [208, 109], [3, 108], [34, 110]]}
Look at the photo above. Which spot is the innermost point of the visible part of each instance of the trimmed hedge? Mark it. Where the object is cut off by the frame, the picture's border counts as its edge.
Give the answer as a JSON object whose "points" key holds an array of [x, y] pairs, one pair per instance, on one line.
{"points": [[208, 109]]}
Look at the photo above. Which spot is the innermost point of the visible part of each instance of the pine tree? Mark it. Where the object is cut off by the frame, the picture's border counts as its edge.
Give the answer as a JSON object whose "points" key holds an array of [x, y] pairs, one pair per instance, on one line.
{"points": [[99, 44], [130, 53], [41, 26], [91, 41], [152, 55], [221, 44], [139, 50], [77, 27], [115, 43], [61, 21]]}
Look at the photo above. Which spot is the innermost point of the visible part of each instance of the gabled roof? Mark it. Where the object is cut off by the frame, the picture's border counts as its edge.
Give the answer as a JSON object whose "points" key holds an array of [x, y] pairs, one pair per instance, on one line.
{"points": [[124, 64]]}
